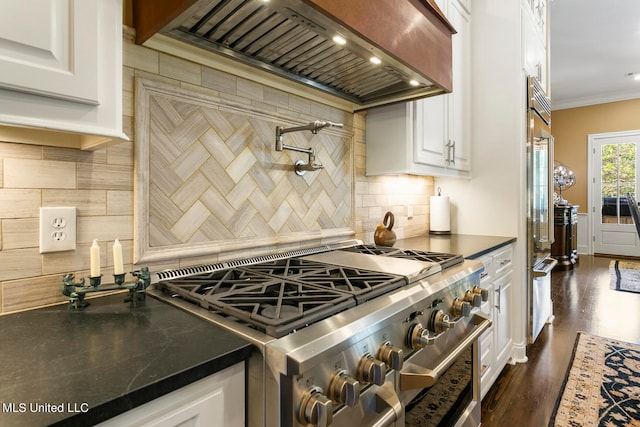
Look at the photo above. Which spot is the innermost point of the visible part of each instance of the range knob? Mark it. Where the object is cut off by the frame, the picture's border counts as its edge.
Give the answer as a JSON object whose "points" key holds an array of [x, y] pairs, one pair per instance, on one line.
{"points": [[418, 336], [461, 307], [343, 389], [440, 322], [371, 370], [392, 356], [484, 293], [315, 408], [473, 298]]}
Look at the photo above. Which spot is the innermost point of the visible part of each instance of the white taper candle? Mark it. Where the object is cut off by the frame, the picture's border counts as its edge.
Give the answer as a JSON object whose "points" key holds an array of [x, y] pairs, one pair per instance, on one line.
{"points": [[118, 268], [95, 259]]}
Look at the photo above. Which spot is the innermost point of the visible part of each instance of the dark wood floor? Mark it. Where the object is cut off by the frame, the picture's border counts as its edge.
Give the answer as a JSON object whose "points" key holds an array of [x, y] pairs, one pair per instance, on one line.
{"points": [[525, 394]]}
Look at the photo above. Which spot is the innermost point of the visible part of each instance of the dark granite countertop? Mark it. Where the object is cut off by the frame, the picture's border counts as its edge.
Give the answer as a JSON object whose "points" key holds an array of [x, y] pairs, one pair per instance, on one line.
{"points": [[467, 245], [80, 367]]}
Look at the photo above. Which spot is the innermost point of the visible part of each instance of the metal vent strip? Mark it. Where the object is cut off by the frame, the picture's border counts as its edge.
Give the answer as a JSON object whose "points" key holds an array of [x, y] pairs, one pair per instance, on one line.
{"points": [[285, 42], [210, 268]]}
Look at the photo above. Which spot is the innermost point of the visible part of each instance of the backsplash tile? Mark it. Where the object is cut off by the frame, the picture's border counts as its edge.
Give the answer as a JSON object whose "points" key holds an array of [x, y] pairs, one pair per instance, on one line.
{"points": [[28, 173], [103, 193]]}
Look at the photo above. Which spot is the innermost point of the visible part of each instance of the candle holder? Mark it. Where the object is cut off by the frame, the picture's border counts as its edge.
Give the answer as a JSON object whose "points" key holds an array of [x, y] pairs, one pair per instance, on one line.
{"points": [[118, 279], [77, 291]]}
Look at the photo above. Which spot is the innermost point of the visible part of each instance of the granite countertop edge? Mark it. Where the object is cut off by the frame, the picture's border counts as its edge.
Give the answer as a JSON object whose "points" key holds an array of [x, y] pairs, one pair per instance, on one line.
{"points": [[152, 391], [470, 246]]}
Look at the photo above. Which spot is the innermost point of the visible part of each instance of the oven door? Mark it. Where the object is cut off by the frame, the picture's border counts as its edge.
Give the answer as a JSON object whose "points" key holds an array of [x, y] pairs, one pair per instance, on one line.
{"points": [[440, 387]]}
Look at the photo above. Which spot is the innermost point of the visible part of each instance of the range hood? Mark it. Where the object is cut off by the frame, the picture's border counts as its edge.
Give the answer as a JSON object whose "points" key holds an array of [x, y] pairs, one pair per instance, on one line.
{"points": [[295, 39]]}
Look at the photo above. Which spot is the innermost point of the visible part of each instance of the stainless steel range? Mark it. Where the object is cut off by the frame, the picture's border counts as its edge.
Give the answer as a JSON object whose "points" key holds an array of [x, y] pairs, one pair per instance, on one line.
{"points": [[349, 334]]}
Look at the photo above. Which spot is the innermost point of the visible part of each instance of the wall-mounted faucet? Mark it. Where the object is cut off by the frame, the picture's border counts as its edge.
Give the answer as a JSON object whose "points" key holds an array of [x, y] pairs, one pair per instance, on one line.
{"points": [[301, 167]]}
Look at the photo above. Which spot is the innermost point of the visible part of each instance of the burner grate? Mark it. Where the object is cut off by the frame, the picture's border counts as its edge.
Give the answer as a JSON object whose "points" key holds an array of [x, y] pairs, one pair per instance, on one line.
{"points": [[444, 259], [283, 294], [282, 306]]}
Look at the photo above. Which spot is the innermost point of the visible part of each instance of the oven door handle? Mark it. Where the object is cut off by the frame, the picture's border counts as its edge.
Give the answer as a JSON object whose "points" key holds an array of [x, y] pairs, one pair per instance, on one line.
{"points": [[388, 406], [416, 377]]}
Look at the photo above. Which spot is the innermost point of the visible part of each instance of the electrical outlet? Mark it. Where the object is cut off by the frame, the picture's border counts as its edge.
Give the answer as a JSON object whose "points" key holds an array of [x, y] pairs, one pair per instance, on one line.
{"points": [[57, 229]]}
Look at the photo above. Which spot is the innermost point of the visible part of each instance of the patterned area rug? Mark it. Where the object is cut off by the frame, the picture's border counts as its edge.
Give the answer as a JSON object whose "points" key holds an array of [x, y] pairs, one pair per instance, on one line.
{"points": [[602, 386], [625, 275]]}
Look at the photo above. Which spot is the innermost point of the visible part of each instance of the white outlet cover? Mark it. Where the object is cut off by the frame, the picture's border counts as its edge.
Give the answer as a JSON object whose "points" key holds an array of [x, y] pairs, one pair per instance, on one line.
{"points": [[57, 229]]}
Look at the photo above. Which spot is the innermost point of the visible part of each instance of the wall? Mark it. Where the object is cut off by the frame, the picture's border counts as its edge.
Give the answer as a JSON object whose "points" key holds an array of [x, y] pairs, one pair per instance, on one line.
{"points": [[101, 185], [571, 128]]}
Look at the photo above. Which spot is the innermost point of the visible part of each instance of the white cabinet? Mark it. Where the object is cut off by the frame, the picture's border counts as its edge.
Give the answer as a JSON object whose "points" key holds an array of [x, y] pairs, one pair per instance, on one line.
{"points": [[61, 67], [428, 136], [496, 343], [534, 40], [216, 401]]}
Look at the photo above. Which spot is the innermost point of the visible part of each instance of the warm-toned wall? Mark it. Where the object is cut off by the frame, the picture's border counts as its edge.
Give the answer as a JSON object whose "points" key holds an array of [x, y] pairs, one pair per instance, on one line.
{"points": [[571, 128]]}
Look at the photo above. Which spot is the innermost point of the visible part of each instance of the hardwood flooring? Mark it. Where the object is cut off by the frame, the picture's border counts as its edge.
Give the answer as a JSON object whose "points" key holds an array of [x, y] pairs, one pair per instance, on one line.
{"points": [[525, 394]]}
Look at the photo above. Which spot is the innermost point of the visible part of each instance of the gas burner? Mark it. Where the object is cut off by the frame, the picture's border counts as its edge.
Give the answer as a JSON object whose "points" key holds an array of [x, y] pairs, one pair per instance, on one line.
{"points": [[278, 312], [294, 305], [363, 284]]}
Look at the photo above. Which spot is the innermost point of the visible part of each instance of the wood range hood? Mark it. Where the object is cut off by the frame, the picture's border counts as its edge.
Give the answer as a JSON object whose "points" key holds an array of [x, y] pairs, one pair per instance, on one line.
{"points": [[294, 39]]}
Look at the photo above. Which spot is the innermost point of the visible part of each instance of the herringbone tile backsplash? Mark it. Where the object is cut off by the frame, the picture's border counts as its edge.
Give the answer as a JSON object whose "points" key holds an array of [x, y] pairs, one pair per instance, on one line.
{"points": [[215, 177]]}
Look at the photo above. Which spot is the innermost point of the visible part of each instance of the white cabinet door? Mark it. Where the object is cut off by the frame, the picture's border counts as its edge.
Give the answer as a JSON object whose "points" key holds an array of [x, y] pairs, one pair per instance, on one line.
{"points": [[534, 60], [502, 308], [429, 136], [215, 401], [443, 122], [50, 48], [431, 131], [61, 63], [459, 100]]}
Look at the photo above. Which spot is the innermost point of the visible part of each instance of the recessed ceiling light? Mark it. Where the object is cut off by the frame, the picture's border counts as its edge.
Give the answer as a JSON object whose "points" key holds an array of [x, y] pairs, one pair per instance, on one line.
{"points": [[375, 60], [339, 40], [414, 83]]}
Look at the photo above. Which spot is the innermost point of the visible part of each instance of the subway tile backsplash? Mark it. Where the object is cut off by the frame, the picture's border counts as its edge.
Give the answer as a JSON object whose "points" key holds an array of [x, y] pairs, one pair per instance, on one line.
{"points": [[101, 185]]}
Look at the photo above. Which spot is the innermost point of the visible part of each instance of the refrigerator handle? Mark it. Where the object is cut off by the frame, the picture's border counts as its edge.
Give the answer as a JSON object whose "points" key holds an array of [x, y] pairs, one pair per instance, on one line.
{"points": [[551, 188], [549, 264]]}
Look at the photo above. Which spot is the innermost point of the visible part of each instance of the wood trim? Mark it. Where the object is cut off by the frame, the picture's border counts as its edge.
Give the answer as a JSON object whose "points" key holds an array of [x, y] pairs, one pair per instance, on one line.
{"points": [[150, 16], [411, 31]]}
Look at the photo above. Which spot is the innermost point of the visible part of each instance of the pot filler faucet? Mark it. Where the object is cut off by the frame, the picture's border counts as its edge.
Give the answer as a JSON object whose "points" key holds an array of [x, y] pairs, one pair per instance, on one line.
{"points": [[301, 167]]}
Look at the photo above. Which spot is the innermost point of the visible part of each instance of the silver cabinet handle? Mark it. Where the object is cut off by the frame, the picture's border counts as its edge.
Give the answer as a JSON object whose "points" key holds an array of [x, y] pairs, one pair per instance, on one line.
{"points": [[498, 292], [453, 157], [419, 377], [451, 152]]}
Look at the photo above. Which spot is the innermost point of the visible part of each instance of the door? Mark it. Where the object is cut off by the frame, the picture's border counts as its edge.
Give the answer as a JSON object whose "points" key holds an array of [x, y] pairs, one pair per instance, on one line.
{"points": [[539, 190], [613, 170]]}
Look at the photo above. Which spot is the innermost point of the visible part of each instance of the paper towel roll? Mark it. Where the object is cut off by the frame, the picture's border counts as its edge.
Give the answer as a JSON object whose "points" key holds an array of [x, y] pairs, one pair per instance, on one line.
{"points": [[440, 215]]}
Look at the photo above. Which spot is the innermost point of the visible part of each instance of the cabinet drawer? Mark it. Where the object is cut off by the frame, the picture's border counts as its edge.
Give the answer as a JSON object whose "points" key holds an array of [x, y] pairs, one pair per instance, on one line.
{"points": [[486, 353], [487, 262], [503, 261]]}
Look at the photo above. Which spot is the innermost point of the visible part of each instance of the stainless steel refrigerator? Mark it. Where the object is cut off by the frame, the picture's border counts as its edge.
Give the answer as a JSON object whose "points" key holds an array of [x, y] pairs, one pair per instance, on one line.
{"points": [[539, 208]]}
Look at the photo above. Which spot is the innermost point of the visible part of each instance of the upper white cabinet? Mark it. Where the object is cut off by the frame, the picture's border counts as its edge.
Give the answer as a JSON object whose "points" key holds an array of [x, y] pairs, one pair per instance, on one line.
{"points": [[428, 136], [535, 40], [61, 67]]}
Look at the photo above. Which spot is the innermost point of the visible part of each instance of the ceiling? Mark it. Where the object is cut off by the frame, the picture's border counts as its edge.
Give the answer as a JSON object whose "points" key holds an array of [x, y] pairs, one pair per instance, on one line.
{"points": [[594, 45]]}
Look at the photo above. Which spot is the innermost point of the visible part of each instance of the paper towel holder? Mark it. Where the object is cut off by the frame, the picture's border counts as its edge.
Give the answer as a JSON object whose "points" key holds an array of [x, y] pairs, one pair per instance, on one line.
{"points": [[440, 223]]}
